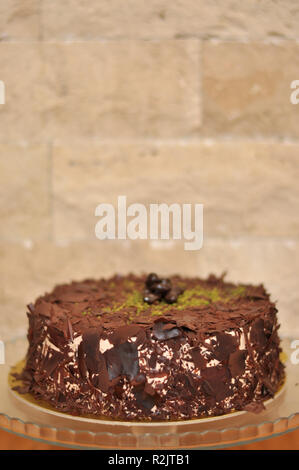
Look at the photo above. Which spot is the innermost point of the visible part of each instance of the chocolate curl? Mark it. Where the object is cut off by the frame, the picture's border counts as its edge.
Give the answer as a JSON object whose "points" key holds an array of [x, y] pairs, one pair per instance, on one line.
{"points": [[70, 330]]}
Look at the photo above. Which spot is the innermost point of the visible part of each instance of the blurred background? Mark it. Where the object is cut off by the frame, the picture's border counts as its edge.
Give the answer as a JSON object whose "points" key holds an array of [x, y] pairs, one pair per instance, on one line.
{"points": [[182, 101]]}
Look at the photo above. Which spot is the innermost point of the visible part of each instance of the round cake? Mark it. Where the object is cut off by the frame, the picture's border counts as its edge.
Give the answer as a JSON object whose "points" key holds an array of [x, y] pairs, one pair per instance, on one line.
{"points": [[148, 348]]}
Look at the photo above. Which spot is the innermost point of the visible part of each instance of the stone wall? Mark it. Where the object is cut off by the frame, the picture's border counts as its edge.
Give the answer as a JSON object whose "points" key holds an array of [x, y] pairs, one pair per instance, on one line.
{"points": [[181, 101]]}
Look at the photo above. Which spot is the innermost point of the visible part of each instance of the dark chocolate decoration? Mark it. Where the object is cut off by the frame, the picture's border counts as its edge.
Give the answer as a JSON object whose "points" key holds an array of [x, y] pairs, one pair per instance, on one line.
{"points": [[172, 295], [51, 361], [144, 399], [94, 360], [81, 362], [56, 336], [150, 297], [139, 379], [30, 308], [151, 279], [70, 330], [216, 382], [149, 389], [114, 364], [45, 308], [160, 289], [198, 358], [269, 385], [90, 341], [61, 398], [225, 345], [122, 360], [129, 358], [156, 363], [123, 333], [24, 388]]}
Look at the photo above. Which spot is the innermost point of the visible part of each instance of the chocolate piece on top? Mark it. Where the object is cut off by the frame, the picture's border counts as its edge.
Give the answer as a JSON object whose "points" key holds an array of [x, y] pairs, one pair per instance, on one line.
{"points": [[160, 289]]}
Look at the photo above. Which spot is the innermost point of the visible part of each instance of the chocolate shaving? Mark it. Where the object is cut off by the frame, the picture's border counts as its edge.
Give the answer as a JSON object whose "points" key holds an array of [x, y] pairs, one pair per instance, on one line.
{"points": [[216, 382], [162, 331], [94, 360], [122, 334], [51, 361]]}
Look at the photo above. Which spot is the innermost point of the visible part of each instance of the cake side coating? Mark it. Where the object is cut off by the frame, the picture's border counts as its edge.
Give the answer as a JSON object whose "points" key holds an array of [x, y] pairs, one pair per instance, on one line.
{"points": [[96, 347]]}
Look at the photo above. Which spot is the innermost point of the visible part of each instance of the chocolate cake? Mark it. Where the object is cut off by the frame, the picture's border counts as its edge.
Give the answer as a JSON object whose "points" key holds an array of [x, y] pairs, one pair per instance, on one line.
{"points": [[146, 348]]}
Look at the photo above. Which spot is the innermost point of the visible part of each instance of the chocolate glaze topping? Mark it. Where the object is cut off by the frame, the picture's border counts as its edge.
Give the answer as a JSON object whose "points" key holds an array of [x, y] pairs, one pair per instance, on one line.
{"points": [[99, 347]]}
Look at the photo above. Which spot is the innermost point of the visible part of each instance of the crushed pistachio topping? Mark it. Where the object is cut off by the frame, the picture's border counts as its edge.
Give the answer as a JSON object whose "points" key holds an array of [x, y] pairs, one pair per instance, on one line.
{"points": [[194, 297], [87, 311]]}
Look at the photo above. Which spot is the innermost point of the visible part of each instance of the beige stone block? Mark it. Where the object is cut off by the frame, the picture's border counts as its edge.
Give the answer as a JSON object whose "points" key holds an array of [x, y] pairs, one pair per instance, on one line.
{"points": [[21, 72], [273, 262], [121, 89], [246, 188], [20, 19], [232, 19], [24, 192], [247, 89]]}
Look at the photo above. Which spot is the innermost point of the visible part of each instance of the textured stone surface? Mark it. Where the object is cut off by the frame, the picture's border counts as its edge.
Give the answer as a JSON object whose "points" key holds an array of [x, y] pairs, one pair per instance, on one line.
{"points": [[19, 19], [25, 274], [246, 89], [21, 71], [246, 188], [231, 19], [121, 88], [100, 89], [24, 192]]}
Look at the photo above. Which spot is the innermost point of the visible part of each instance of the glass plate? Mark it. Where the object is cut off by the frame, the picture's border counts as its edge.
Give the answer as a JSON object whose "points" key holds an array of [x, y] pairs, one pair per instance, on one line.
{"points": [[30, 419]]}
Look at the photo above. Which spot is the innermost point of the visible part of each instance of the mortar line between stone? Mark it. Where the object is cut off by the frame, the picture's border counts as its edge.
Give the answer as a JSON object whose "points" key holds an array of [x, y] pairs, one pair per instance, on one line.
{"points": [[101, 39], [200, 84]]}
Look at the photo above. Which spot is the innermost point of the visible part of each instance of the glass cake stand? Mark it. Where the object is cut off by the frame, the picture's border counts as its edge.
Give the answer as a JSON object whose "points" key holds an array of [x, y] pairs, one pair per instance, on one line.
{"points": [[28, 418]]}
